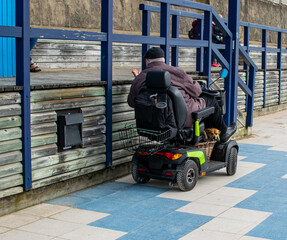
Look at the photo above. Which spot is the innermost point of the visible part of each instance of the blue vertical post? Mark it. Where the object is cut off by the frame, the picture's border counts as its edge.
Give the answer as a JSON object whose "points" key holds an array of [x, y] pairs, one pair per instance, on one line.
{"points": [[199, 51], [207, 35], [165, 28], [145, 32], [246, 44], [233, 24], [23, 79], [279, 64], [175, 34], [250, 99], [106, 71], [264, 62], [227, 86]]}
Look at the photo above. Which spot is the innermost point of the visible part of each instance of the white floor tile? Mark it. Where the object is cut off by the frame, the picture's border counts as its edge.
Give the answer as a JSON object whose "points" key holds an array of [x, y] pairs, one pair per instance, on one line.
{"points": [[226, 225], [51, 227], [236, 192], [281, 148], [3, 229], [79, 216], [43, 210], [252, 238], [253, 225], [201, 234], [226, 196], [203, 209], [201, 189], [92, 233], [126, 179], [16, 220], [22, 235], [250, 165], [245, 215]]}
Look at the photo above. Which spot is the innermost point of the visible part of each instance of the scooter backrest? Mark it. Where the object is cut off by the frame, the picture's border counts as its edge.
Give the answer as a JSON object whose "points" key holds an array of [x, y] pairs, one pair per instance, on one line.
{"points": [[179, 106], [158, 80], [161, 80]]}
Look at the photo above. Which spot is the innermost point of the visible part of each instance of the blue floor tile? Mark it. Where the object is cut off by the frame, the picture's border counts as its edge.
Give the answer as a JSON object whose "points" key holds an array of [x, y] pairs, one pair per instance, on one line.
{"points": [[114, 186], [94, 193], [130, 196], [166, 203], [273, 227], [104, 206], [144, 213], [172, 226], [119, 223]]}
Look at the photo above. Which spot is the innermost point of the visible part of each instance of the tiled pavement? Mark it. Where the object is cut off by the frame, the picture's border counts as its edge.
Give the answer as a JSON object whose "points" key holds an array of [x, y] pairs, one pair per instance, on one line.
{"points": [[250, 205]]}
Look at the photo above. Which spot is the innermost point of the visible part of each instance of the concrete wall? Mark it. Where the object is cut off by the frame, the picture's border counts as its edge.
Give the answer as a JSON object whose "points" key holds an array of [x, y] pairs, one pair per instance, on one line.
{"points": [[85, 14]]}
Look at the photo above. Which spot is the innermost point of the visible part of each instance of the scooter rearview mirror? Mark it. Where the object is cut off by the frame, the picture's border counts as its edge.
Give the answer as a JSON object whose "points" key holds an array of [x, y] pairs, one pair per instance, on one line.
{"points": [[223, 73]]}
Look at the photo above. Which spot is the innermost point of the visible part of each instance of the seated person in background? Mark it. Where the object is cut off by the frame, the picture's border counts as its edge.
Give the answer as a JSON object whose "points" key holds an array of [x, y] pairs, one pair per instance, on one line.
{"points": [[189, 88], [33, 66]]}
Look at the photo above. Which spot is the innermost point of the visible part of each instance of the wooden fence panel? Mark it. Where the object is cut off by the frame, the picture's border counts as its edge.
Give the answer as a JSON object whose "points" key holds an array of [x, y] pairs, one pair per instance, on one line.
{"points": [[11, 179]]}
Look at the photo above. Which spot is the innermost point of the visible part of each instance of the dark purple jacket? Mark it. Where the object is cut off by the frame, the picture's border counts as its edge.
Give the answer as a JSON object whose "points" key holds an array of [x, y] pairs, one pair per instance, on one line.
{"points": [[189, 88]]}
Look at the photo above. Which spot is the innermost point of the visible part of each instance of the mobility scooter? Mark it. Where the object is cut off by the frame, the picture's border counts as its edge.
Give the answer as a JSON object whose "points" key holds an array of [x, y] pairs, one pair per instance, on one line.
{"points": [[163, 148]]}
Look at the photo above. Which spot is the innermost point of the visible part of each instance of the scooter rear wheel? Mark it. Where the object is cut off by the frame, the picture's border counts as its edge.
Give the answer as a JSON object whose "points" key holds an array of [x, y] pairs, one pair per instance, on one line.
{"points": [[187, 177], [136, 175]]}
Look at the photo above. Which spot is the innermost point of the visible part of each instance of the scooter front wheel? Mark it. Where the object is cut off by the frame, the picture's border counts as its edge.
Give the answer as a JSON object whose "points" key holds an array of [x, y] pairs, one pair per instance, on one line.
{"points": [[232, 162]]}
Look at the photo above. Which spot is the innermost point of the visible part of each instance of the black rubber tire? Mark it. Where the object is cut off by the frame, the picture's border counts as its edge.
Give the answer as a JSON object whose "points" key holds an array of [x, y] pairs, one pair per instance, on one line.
{"points": [[136, 175], [187, 177], [231, 162]]}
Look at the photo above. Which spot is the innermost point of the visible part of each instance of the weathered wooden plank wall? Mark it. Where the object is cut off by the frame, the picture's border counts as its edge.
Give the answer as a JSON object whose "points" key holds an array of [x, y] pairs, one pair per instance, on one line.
{"points": [[11, 179], [81, 54], [122, 115], [84, 54], [50, 165]]}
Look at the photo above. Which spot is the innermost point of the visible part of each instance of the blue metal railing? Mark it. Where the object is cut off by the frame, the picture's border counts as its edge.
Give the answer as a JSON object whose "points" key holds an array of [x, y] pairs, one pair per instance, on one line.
{"points": [[264, 49], [204, 43], [22, 32]]}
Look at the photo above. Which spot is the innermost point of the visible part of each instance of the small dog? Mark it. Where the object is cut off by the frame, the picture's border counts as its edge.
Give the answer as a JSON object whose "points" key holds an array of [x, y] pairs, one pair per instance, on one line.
{"points": [[211, 133]]}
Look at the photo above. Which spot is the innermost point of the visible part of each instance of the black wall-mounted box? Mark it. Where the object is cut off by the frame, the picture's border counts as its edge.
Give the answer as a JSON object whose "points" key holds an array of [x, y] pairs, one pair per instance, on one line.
{"points": [[69, 130]]}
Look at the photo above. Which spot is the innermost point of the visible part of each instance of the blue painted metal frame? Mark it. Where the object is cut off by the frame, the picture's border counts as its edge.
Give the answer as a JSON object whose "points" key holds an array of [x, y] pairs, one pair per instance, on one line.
{"points": [[233, 24], [106, 72], [264, 49], [22, 32], [23, 79]]}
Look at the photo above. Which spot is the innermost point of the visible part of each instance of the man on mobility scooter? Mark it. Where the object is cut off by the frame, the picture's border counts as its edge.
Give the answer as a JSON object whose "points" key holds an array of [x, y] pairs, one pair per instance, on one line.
{"points": [[172, 114]]}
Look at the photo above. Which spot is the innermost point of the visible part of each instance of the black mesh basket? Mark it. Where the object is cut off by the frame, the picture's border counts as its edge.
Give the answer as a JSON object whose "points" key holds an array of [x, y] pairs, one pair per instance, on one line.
{"points": [[143, 140]]}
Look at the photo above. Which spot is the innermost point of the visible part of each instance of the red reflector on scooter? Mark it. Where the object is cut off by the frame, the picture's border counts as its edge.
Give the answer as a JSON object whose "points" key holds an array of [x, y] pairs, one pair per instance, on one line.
{"points": [[169, 174], [142, 169]]}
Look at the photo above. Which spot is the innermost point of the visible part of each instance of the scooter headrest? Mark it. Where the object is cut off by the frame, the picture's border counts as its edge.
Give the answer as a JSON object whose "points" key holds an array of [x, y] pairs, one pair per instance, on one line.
{"points": [[158, 79]]}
